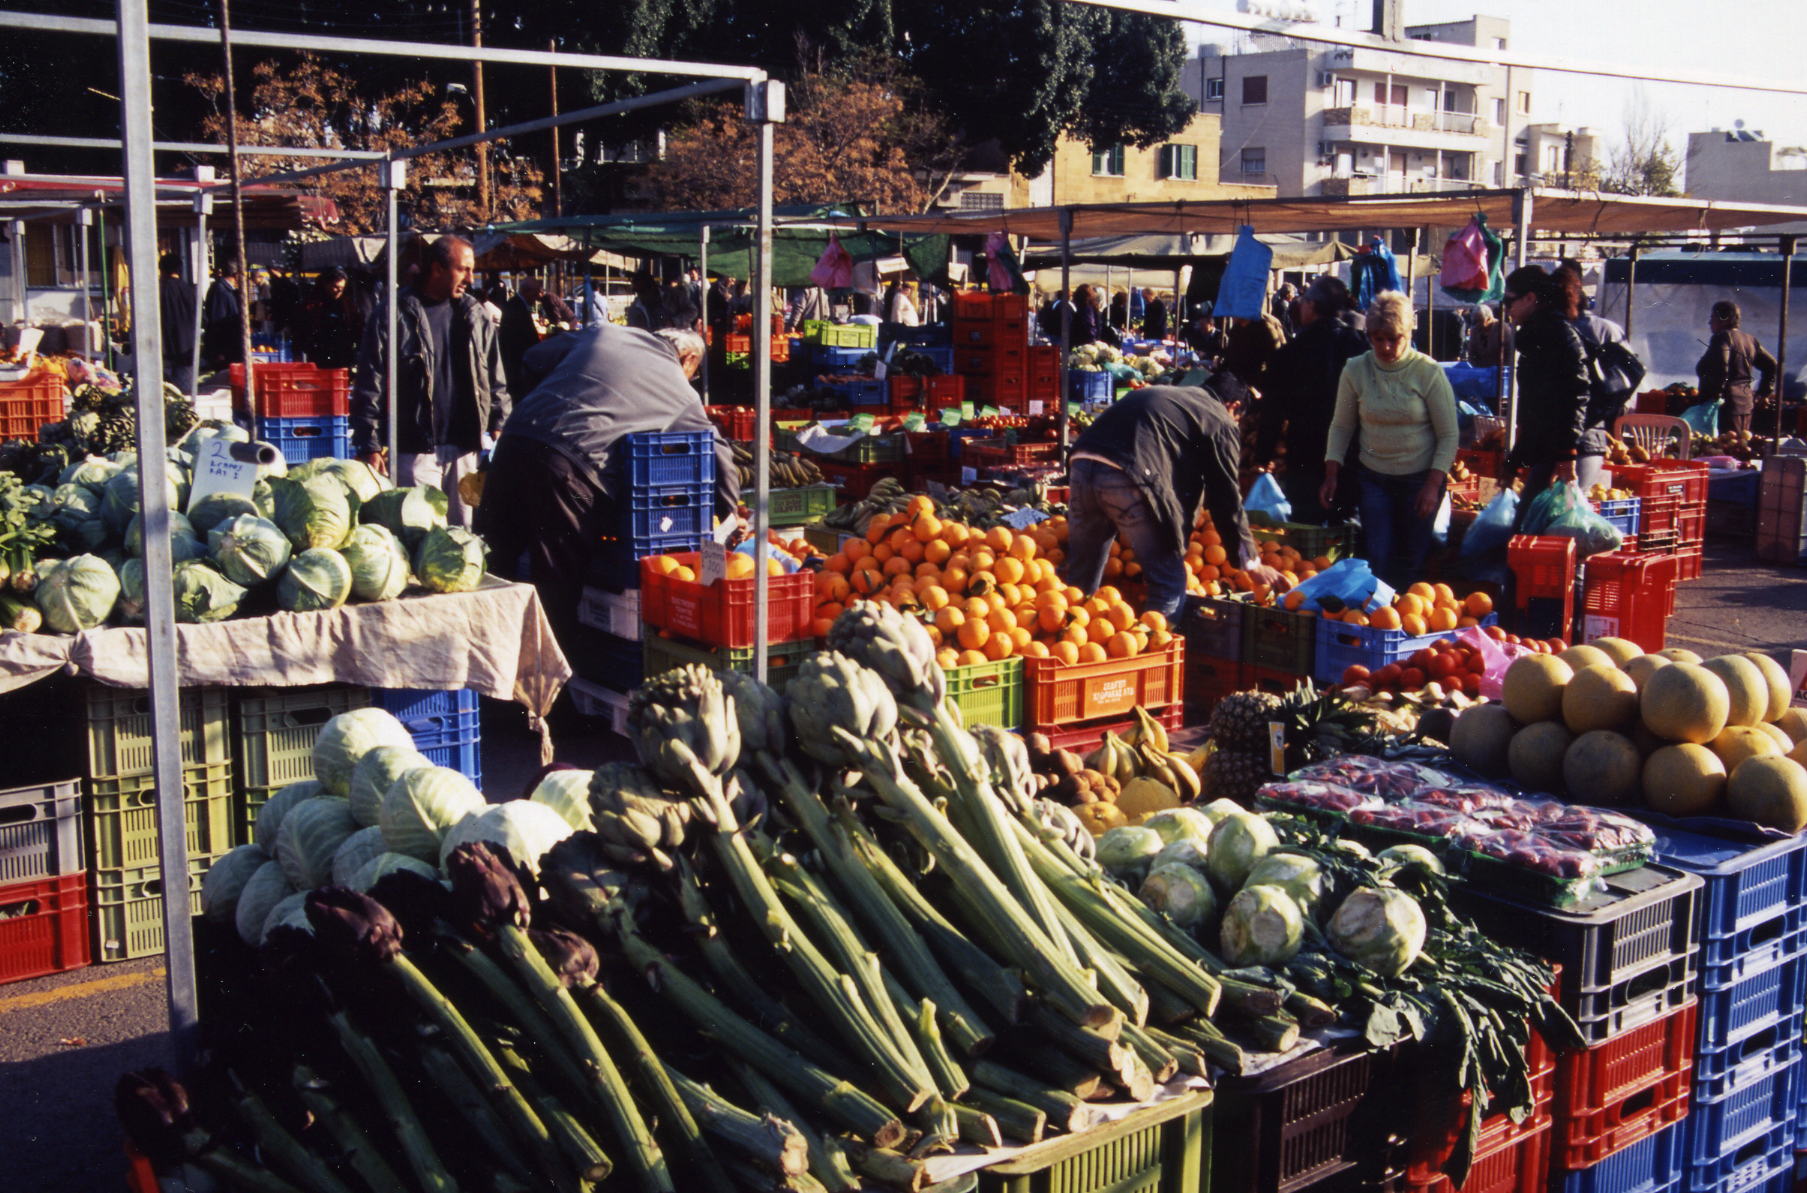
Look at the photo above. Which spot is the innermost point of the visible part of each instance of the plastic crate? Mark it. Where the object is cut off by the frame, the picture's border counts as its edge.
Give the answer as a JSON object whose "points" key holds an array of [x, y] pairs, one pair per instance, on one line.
{"points": [[40, 832], [303, 439], [736, 422], [43, 926], [446, 725], [857, 391], [1684, 480], [1209, 678], [119, 730], [795, 507], [1691, 525], [863, 336], [122, 817], [274, 730], [1044, 365], [855, 480], [1689, 564], [1627, 596], [1213, 626], [127, 907], [838, 359], [943, 392], [1622, 512], [988, 693], [783, 659], [1278, 640], [1763, 1164], [1723, 1125], [1062, 694], [1082, 737], [665, 510], [1341, 646], [1085, 385], [1753, 901], [605, 659], [1163, 1148], [1310, 541], [1655, 1164], [599, 703], [722, 613], [303, 391], [660, 458], [1521, 1164], [1300, 1123], [1749, 1030], [29, 403], [1542, 566], [1000, 453], [926, 335], [616, 613], [1616, 1092], [1441, 1118]]}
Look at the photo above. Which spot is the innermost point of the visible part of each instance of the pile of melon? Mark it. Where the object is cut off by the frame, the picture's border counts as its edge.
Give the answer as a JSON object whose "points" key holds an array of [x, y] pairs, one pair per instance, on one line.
{"points": [[1607, 724]]}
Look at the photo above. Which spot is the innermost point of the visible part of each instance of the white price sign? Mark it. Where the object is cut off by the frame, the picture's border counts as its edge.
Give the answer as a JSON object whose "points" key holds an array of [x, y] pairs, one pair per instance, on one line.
{"points": [[714, 563], [221, 469]]}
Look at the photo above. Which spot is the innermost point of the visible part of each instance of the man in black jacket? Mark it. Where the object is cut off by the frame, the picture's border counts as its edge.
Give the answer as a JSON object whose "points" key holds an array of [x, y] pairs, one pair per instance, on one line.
{"points": [[176, 306], [1301, 394], [222, 327], [1138, 474], [1552, 384]]}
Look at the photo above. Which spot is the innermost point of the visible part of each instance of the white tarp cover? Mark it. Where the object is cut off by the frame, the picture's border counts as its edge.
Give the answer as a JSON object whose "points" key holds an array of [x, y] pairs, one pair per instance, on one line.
{"points": [[1669, 322]]}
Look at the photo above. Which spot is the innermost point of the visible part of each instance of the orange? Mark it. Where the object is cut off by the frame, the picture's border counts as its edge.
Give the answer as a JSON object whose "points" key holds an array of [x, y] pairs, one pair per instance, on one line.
{"points": [[1049, 618], [856, 549], [1023, 547], [933, 596], [683, 573], [999, 538], [984, 559], [877, 528], [1478, 604], [897, 565], [1442, 618], [832, 587], [1159, 640], [1120, 616], [882, 552], [949, 618], [867, 581], [1009, 570], [910, 552], [1020, 639], [955, 534], [1387, 618], [1001, 621], [999, 647], [920, 505], [1154, 620], [926, 527], [1292, 601], [1414, 625], [933, 633], [1445, 594], [1066, 652], [898, 537], [1409, 604], [1356, 617], [1113, 567], [947, 657], [1091, 652], [982, 582], [976, 607], [662, 565], [1423, 591], [954, 578], [821, 625], [1465, 621], [937, 552], [969, 657], [1076, 634], [1035, 650], [1123, 645], [974, 634]]}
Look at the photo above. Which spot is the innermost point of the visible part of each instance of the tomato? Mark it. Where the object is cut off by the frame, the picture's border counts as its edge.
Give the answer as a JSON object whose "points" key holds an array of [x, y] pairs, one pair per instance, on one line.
{"points": [[1420, 659], [1471, 684], [1354, 674], [1477, 665], [1387, 676], [1444, 664], [1411, 679], [1499, 635]]}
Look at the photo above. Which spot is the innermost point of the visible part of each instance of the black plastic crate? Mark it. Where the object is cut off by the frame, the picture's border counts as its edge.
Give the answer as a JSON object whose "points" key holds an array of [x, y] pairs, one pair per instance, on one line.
{"points": [[1278, 640], [1318, 1118]]}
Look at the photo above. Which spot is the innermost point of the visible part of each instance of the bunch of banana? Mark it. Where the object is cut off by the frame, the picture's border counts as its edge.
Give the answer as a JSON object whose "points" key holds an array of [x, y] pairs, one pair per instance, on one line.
{"points": [[888, 496], [1142, 753], [789, 469]]}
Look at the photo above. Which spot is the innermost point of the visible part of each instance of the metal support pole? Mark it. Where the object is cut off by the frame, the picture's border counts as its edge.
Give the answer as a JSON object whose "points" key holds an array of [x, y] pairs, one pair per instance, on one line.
{"points": [[153, 498], [1521, 247], [1631, 283], [1173, 310], [1430, 310], [84, 220], [477, 101], [588, 297], [1787, 247], [394, 177], [21, 292], [765, 106], [203, 265], [703, 306], [1066, 326], [558, 203], [106, 289]]}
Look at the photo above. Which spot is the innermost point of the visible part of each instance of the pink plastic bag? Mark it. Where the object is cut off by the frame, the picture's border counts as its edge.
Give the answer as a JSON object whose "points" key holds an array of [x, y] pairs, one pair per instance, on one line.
{"points": [[1465, 262], [834, 268], [1497, 656]]}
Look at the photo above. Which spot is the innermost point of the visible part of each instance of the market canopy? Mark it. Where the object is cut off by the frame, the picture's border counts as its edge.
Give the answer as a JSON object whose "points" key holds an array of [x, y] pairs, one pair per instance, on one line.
{"points": [[1171, 251]]}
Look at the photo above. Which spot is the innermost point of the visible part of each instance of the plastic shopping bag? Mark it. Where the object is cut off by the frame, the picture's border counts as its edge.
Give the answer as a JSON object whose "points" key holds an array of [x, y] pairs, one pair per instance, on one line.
{"points": [[1495, 658], [1242, 293], [1268, 501], [1562, 510], [1465, 260], [834, 268], [1440, 527], [1703, 419], [1345, 584], [1491, 531]]}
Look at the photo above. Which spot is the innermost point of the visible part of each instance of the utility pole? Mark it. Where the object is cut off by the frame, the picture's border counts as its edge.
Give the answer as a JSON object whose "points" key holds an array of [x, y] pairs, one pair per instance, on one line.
{"points": [[482, 117], [238, 209], [558, 205]]}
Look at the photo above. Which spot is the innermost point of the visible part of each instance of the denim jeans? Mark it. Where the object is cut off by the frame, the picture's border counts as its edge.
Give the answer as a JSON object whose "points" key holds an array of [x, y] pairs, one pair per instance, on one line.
{"points": [[1107, 504], [1397, 539]]}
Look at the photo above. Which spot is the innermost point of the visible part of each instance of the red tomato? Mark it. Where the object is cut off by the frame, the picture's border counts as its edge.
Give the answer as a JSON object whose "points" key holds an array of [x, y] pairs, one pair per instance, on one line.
{"points": [[1387, 676], [1355, 673], [1444, 664], [1477, 665], [1471, 684], [1420, 659], [1497, 634], [1411, 679]]}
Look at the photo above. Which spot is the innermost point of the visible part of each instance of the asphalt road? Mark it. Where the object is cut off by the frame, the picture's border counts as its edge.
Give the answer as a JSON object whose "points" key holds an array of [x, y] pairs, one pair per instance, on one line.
{"points": [[64, 1041]]}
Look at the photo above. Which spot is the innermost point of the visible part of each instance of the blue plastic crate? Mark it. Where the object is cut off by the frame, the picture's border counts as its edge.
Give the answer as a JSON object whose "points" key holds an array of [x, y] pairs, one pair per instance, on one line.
{"points": [[1754, 903], [665, 511], [303, 439], [444, 724], [1760, 1164], [1655, 1164], [957, 437], [929, 335], [1625, 513], [1722, 1127], [1341, 646], [942, 355], [859, 391], [832, 359], [1084, 385], [658, 458]]}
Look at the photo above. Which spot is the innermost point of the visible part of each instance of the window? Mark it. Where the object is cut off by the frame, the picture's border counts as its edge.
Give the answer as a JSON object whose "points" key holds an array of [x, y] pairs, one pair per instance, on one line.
{"points": [[1552, 158], [1394, 96], [1254, 161], [1499, 43], [1345, 93], [1524, 103], [1499, 173], [1499, 112], [1519, 165], [1254, 89], [1179, 162], [981, 201], [1213, 89], [1108, 163]]}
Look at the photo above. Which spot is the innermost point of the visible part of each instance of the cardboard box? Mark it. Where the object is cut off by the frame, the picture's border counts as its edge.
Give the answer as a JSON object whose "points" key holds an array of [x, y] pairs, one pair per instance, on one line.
{"points": [[1797, 677]]}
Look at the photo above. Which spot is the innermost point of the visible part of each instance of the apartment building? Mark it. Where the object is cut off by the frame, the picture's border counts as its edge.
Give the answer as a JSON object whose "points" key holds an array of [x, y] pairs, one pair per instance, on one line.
{"points": [[1740, 164]]}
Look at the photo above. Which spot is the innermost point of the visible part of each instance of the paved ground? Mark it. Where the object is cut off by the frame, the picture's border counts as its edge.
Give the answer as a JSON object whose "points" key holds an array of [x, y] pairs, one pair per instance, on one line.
{"points": [[64, 1041]]}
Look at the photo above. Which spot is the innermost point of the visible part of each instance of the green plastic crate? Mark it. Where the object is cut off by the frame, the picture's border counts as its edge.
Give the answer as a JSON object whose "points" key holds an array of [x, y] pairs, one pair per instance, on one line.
{"points": [[121, 817], [783, 659], [274, 730], [847, 335], [826, 539], [1164, 1148], [119, 730], [1279, 640], [988, 693], [795, 507], [1310, 541], [127, 909], [868, 449]]}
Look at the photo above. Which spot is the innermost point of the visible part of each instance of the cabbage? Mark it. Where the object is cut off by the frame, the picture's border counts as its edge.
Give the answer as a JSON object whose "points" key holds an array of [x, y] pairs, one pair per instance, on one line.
{"points": [[226, 879], [91, 474], [77, 518], [38, 502], [1412, 856], [1297, 875], [450, 559], [372, 871], [1180, 893], [203, 594], [1183, 852], [347, 738], [567, 792], [119, 501], [422, 805], [409, 514], [131, 590], [379, 566], [270, 816], [317, 512], [1239, 841], [356, 475], [291, 912], [183, 542], [189, 445], [1261, 926], [77, 594], [1126, 851], [249, 549], [1218, 809], [311, 833], [1176, 824], [218, 508], [522, 827], [1379, 927], [354, 851], [375, 773], [261, 893], [316, 580]]}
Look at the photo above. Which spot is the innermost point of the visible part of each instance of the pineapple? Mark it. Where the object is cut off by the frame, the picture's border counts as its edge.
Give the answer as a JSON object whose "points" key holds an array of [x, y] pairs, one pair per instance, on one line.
{"points": [[1240, 720]]}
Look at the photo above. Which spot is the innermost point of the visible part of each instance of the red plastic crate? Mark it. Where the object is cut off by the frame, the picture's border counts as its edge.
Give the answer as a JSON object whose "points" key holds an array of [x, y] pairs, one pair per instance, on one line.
{"points": [[1659, 515], [1691, 525], [998, 360], [721, 614], [1689, 563], [1084, 736], [855, 480], [29, 403], [997, 453], [1625, 1089], [1682, 479], [1065, 694], [1628, 596], [1442, 1119], [904, 390], [1482, 461], [43, 926], [1519, 1164], [1208, 680], [1543, 567], [972, 304], [736, 422], [926, 448], [297, 390], [741, 345], [1044, 366], [946, 390]]}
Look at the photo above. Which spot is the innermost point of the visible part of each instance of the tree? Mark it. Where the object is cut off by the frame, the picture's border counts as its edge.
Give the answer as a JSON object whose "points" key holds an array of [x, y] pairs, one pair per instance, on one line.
{"points": [[305, 102], [1644, 163]]}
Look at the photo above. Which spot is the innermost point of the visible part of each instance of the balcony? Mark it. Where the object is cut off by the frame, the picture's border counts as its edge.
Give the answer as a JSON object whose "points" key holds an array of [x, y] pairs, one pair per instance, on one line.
{"points": [[1404, 128], [1392, 184]]}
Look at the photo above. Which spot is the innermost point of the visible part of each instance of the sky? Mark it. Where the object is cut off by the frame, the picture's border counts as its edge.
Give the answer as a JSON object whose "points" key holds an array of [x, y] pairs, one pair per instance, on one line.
{"points": [[1759, 38]]}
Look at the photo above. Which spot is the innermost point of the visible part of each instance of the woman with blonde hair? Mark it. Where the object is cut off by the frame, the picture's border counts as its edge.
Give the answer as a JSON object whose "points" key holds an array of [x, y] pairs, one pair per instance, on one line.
{"points": [[1401, 403]]}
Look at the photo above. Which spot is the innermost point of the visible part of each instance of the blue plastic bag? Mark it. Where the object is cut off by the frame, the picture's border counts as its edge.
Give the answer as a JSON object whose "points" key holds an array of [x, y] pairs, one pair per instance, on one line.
{"points": [[1491, 531], [1440, 527], [1242, 294], [1703, 419], [1268, 500], [1348, 584]]}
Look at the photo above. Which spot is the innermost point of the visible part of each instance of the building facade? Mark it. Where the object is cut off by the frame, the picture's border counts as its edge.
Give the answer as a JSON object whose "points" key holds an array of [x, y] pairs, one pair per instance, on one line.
{"points": [[1740, 164]]}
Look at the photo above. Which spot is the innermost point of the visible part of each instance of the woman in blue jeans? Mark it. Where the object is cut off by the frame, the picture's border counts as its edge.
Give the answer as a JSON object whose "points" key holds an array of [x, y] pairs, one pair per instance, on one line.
{"points": [[1406, 411]]}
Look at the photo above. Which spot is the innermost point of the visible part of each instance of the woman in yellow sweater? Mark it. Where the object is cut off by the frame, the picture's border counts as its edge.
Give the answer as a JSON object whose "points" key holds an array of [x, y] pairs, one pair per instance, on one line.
{"points": [[1400, 401]]}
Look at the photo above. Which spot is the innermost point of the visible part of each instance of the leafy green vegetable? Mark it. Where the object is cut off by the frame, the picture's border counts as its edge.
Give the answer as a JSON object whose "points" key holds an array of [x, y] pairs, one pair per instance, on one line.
{"points": [[77, 594], [410, 514], [203, 593], [422, 807], [345, 739], [316, 579], [311, 834], [450, 560], [316, 512], [379, 566]]}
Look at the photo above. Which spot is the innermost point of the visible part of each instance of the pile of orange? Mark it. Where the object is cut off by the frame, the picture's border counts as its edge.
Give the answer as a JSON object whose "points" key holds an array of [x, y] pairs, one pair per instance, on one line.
{"points": [[1421, 609], [1211, 572], [984, 595]]}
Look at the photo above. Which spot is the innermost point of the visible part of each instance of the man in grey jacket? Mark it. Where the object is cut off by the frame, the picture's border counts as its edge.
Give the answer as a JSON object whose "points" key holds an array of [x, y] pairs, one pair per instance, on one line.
{"points": [[452, 392]]}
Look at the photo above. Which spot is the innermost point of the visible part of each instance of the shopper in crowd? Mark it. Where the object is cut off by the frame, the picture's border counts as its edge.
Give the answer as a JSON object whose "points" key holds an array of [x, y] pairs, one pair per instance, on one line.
{"points": [[899, 305], [807, 303], [285, 303], [1725, 369], [452, 390], [647, 311], [1486, 337], [1118, 317], [555, 478], [327, 333], [176, 311], [1402, 405], [524, 323], [1283, 308], [1048, 319], [1552, 383], [1207, 338], [1609, 389], [1249, 348], [1138, 474], [1088, 318], [1302, 397], [1154, 316], [222, 327]]}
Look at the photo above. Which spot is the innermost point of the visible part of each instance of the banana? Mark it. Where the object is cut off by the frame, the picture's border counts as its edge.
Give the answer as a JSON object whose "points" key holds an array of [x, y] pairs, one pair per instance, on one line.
{"points": [[1149, 731]]}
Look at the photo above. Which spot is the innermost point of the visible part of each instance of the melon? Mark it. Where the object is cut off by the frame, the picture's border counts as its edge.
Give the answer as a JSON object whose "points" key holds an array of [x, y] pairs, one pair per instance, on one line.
{"points": [[1774, 732], [1779, 692], [1735, 743], [1771, 791], [1578, 657], [1647, 742], [1481, 737], [1684, 780], [1676, 654], [1599, 697], [1622, 650], [1685, 702], [1535, 755], [1641, 668], [1746, 686], [1799, 753], [1602, 767], [1793, 722], [1532, 688]]}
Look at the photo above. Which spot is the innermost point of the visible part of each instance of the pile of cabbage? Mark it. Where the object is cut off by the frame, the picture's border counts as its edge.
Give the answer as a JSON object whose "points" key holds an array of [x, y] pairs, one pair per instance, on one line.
{"points": [[375, 805], [1221, 872], [310, 538]]}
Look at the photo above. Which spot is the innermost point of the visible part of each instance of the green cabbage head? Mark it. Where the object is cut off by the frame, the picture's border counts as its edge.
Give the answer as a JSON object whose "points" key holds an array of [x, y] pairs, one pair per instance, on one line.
{"points": [[226, 879], [523, 827], [261, 893], [375, 773], [249, 549], [345, 739], [379, 566], [567, 792], [1126, 851], [311, 834], [217, 508], [315, 580], [422, 807], [317, 512], [184, 543], [410, 514], [203, 593], [1380, 927], [1297, 875], [76, 594], [450, 559], [1178, 824]]}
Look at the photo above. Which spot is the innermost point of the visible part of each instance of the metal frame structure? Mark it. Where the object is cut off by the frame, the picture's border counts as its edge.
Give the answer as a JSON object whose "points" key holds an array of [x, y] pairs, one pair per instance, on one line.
{"points": [[134, 33]]}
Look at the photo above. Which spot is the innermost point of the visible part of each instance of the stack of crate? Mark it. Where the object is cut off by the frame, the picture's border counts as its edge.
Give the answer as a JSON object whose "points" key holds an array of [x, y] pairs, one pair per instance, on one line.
{"points": [[1672, 514], [1543, 585], [302, 410], [991, 348], [1782, 511], [690, 621], [43, 881]]}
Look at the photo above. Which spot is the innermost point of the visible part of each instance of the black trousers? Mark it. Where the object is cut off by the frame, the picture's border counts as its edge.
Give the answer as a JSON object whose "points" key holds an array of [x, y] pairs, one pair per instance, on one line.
{"points": [[542, 517]]}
